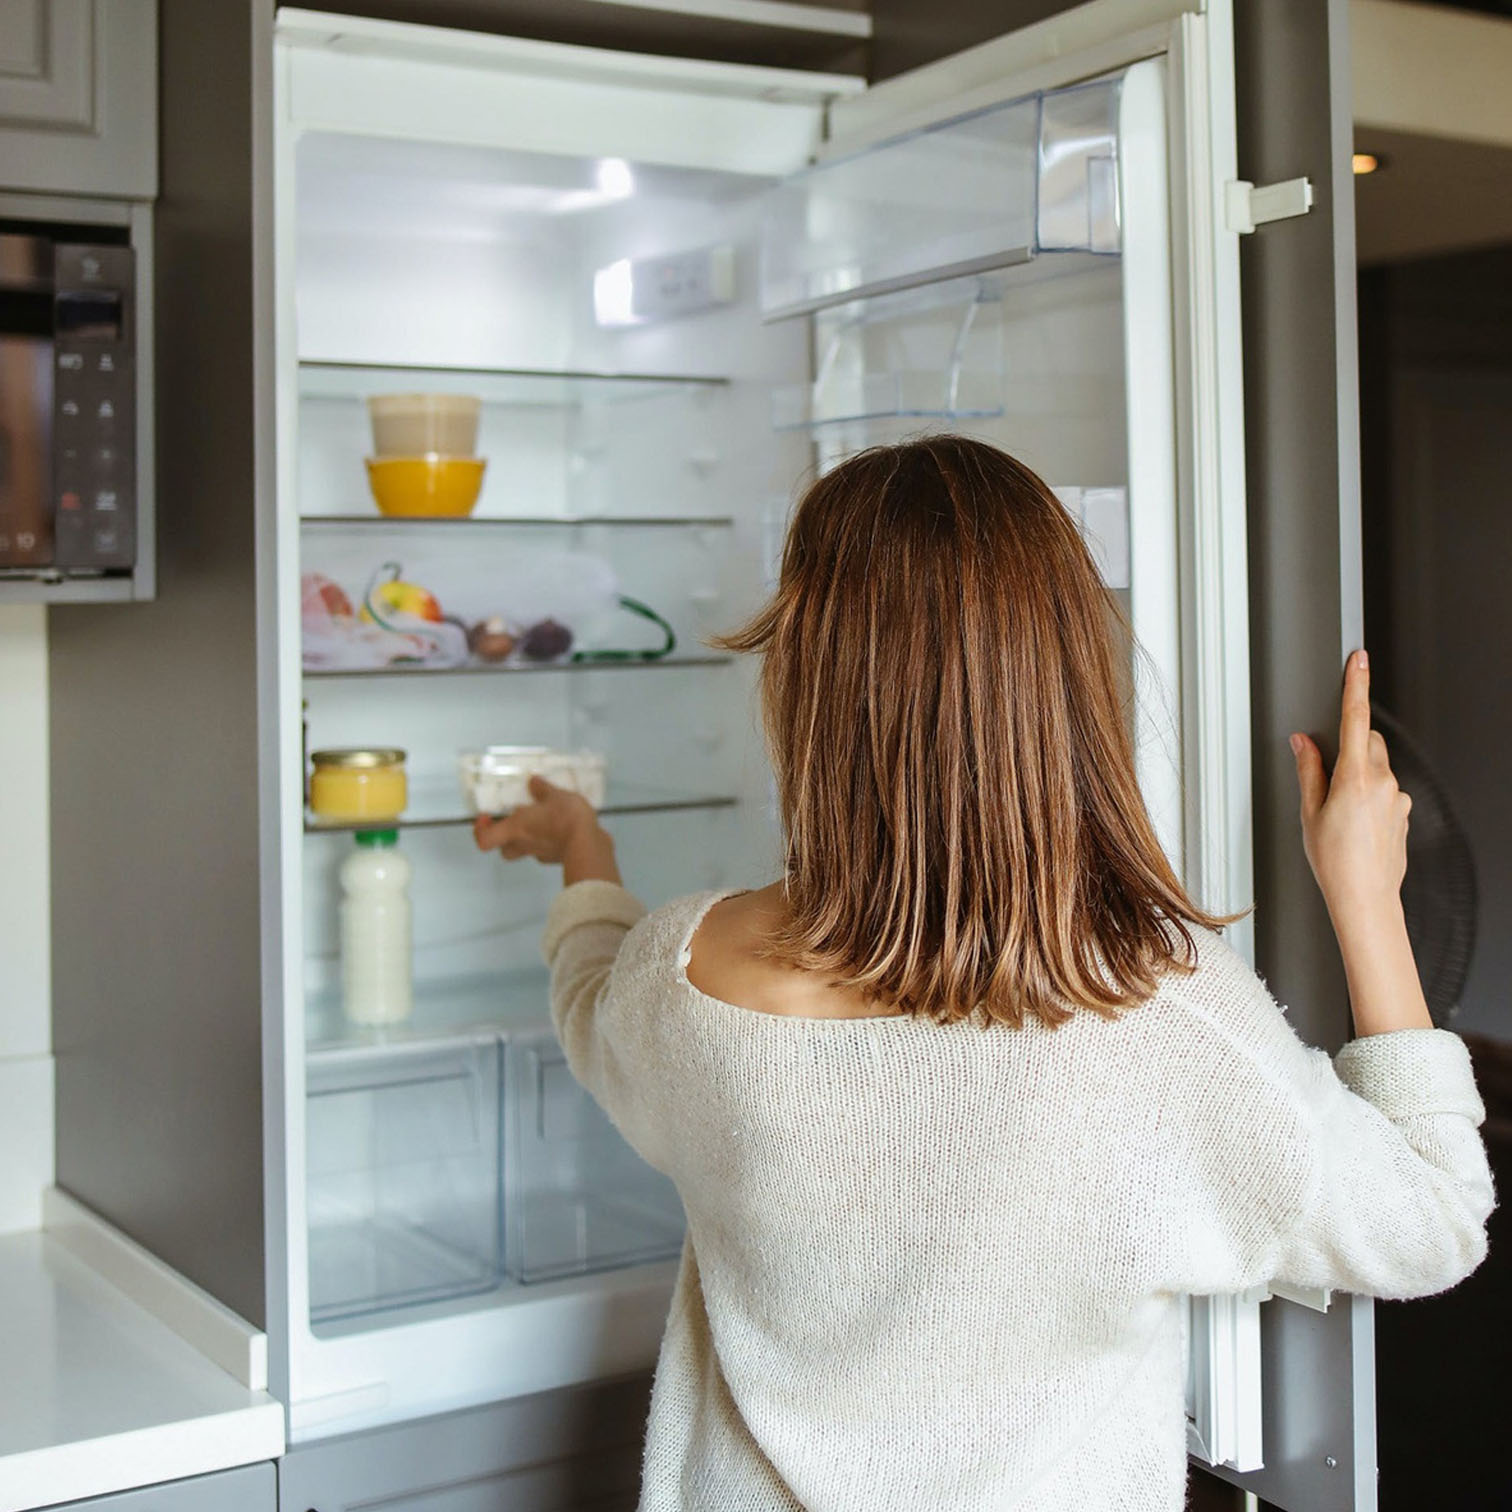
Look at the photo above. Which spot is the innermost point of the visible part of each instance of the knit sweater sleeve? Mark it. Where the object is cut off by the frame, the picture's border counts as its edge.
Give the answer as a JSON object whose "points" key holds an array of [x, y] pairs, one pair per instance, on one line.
{"points": [[586, 929], [1378, 1178]]}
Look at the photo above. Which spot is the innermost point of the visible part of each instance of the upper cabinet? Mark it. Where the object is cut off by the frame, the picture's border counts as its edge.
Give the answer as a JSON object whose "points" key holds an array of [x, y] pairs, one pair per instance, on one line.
{"points": [[78, 97]]}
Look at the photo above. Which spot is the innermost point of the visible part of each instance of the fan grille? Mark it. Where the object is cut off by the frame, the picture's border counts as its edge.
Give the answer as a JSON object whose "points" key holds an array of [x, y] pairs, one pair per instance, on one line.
{"points": [[1439, 895]]}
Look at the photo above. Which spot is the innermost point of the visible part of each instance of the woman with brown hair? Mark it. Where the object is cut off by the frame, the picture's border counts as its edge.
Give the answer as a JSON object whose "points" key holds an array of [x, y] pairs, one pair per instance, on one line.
{"points": [[962, 1104]]}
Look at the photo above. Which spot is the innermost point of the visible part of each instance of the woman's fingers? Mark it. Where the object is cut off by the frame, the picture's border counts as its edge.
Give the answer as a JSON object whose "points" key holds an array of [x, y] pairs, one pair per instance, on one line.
{"points": [[504, 834], [1354, 715], [1311, 778]]}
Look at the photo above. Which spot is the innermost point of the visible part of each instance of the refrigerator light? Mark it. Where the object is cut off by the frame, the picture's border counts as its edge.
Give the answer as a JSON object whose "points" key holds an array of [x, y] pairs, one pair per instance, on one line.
{"points": [[614, 178], [614, 295], [630, 293]]}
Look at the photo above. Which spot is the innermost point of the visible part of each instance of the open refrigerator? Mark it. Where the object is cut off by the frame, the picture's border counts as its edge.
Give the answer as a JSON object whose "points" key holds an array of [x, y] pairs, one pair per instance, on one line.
{"points": [[679, 290]]}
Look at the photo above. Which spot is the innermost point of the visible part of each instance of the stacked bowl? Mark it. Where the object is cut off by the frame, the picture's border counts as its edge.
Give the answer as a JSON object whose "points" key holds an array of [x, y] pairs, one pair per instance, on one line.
{"points": [[425, 460]]}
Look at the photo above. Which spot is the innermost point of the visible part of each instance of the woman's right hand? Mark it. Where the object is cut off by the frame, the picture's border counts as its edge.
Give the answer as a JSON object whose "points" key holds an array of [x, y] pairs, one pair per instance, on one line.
{"points": [[1354, 824], [557, 827]]}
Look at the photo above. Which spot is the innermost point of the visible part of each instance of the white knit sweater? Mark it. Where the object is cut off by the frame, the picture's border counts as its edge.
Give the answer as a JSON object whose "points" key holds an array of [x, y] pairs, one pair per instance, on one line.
{"points": [[937, 1269]]}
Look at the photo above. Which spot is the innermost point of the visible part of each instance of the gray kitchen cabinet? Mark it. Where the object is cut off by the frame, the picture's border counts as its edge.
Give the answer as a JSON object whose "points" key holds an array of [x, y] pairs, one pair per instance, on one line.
{"points": [[251, 1488], [559, 1451], [78, 96]]}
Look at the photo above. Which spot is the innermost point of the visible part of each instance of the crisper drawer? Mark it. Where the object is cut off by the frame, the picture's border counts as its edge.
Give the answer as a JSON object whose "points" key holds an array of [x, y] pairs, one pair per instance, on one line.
{"points": [[578, 1198], [403, 1174], [985, 190]]}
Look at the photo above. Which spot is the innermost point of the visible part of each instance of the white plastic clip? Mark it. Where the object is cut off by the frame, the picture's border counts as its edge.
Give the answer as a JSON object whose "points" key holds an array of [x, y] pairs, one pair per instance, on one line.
{"points": [[1315, 1297], [1246, 207]]}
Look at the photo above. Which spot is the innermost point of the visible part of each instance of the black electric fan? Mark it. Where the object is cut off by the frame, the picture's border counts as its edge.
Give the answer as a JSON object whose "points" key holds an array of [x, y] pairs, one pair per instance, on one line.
{"points": [[1439, 895]]}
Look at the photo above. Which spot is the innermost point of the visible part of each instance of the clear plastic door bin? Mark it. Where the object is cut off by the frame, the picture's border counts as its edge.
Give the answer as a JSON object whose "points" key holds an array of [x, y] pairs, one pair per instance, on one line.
{"points": [[578, 1198]]}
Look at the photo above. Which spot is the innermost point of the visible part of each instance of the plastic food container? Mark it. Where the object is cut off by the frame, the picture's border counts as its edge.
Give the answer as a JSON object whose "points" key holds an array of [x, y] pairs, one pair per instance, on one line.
{"points": [[412, 425], [497, 779], [358, 784], [432, 487]]}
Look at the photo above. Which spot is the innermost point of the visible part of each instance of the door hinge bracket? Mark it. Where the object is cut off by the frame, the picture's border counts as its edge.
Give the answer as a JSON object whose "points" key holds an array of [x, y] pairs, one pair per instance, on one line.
{"points": [[1317, 1298], [1247, 206]]}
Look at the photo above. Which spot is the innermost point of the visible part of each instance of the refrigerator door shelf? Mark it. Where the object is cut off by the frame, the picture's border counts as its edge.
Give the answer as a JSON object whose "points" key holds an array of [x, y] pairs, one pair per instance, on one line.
{"points": [[984, 191], [888, 396], [932, 353]]}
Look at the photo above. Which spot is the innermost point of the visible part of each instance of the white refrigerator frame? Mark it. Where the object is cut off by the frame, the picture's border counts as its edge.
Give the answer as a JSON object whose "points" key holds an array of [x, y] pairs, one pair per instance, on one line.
{"points": [[1189, 603]]}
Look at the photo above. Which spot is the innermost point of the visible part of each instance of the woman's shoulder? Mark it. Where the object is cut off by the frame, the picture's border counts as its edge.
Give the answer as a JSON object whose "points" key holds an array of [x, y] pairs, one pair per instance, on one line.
{"points": [[658, 946], [1220, 1000]]}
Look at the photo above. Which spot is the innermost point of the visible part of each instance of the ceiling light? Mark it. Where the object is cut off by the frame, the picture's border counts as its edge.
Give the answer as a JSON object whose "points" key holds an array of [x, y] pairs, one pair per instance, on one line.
{"points": [[1365, 162]]}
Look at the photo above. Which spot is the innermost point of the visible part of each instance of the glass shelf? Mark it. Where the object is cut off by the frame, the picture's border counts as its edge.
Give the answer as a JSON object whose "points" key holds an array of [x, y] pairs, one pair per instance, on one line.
{"points": [[449, 1009], [505, 669], [436, 805], [411, 522], [517, 387]]}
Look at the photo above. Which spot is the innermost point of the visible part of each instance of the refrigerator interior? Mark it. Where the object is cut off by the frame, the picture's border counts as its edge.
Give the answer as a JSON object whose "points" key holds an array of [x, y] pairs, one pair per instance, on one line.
{"points": [[454, 1158]]}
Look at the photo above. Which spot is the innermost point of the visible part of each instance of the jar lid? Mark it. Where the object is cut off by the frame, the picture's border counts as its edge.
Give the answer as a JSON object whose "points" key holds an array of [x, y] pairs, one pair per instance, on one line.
{"points": [[358, 756], [380, 838]]}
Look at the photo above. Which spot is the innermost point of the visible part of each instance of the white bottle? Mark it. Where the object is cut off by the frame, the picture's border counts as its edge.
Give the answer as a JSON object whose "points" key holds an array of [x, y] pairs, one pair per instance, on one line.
{"points": [[376, 931]]}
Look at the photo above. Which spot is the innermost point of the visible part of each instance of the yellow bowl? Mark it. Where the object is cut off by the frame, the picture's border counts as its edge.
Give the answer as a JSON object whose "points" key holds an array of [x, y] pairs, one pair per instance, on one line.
{"points": [[431, 487]]}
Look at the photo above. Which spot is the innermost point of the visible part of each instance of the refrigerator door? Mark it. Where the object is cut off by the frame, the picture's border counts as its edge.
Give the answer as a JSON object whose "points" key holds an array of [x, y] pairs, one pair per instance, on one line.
{"points": [[1280, 1397], [1302, 445]]}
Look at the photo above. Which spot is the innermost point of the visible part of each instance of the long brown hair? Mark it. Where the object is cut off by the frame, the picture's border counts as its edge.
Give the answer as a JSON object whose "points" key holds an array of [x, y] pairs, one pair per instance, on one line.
{"points": [[954, 769]]}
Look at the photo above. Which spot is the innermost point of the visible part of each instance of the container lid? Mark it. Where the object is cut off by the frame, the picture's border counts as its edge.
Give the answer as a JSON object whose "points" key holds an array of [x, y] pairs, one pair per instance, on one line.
{"points": [[380, 839], [358, 756]]}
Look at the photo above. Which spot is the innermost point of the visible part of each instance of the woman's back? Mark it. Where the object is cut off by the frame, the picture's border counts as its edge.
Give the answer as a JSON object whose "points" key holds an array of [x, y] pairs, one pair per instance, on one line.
{"points": [[937, 1265], [961, 1105]]}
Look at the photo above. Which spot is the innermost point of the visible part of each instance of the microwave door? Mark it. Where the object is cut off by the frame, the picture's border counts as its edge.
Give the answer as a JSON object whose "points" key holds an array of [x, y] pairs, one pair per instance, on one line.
{"points": [[26, 401], [26, 537]]}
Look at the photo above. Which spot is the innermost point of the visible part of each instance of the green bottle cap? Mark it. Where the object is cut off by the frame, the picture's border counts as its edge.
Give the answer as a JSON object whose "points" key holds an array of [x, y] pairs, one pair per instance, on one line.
{"points": [[380, 838]]}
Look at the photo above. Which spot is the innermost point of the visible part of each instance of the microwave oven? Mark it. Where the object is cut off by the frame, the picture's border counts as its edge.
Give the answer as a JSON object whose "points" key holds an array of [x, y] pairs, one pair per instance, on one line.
{"points": [[68, 401]]}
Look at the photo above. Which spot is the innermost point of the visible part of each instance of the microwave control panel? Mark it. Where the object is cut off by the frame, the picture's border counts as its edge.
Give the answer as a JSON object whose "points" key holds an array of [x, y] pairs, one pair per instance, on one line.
{"points": [[94, 409]]}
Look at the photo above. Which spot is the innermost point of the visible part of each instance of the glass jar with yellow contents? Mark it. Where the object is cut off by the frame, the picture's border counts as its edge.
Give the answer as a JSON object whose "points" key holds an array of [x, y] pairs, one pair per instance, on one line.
{"points": [[358, 784]]}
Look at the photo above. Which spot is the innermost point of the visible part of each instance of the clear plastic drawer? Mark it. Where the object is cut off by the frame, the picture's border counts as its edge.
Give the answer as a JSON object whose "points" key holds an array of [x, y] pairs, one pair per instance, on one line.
{"points": [[403, 1177], [986, 190], [578, 1198]]}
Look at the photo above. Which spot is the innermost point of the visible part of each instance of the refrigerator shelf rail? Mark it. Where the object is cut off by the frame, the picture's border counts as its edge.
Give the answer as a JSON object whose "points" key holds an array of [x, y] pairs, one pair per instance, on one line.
{"points": [[512, 668], [448, 1010], [560, 522], [517, 387], [440, 808]]}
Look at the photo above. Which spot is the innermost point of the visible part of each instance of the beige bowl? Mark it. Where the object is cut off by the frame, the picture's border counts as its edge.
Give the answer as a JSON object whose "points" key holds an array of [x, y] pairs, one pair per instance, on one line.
{"points": [[418, 425]]}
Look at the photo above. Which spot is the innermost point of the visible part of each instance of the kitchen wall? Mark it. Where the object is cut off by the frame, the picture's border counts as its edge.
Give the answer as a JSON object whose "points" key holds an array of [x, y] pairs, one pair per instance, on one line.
{"points": [[26, 1065]]}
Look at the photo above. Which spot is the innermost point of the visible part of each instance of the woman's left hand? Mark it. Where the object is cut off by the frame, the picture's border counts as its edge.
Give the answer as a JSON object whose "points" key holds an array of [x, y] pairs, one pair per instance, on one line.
{"points": [[557, 827]]}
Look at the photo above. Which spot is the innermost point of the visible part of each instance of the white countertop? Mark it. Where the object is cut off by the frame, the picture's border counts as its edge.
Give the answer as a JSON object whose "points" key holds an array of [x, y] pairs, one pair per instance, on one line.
{"points": [[97, 1395]]}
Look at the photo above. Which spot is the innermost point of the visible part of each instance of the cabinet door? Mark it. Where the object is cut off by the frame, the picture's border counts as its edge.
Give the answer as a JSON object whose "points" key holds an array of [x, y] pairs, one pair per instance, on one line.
{"points": [[252, 1488], [1280, 1397], [561, 1451], [78, 96]]}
